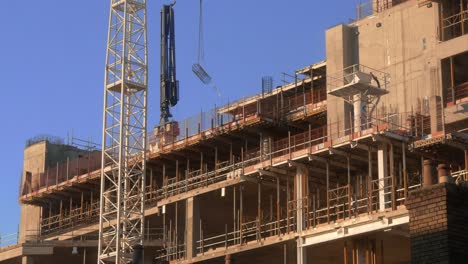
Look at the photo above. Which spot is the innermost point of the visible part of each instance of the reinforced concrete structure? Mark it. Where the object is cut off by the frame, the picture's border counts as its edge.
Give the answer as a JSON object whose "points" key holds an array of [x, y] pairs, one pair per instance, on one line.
{"points": [[361, 158]]}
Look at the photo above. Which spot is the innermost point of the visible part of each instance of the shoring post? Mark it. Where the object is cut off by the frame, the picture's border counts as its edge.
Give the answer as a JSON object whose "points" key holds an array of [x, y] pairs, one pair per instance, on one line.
{"points": [[242, 159], [151, 183], [289, 143], [91, 205], [234, 213], [187, 173], [201, 163], [216, 162], [177, 173], [287, 205], [231, 159], [392, 173], [243, 112], [201, 239], [82, 203], [313, 209], [259, 207], [270, 150], [165, 186], [405, 173], [369, 182], [350, 189], [278, 212], [241, 213], [68, 167], [310, 139], [225, 236], [345, 253], [56, 174], [327, 166], [463, 20], [60, 212]]}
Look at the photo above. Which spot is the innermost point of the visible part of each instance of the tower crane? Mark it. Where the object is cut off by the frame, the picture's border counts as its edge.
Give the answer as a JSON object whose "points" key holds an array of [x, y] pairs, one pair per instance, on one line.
{"points": [[121, 223]]}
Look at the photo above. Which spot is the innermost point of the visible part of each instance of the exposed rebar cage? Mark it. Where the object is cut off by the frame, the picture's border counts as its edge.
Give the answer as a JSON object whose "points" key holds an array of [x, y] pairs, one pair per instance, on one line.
{"points": [[124, 133]]}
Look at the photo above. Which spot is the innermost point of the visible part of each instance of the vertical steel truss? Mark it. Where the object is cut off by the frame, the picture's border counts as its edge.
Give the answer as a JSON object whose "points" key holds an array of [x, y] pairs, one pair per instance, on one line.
{"points": [[124, 133]]}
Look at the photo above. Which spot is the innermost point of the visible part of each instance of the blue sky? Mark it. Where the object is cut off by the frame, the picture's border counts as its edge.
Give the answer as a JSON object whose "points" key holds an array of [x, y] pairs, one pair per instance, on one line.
{"points": [[53, 54]]}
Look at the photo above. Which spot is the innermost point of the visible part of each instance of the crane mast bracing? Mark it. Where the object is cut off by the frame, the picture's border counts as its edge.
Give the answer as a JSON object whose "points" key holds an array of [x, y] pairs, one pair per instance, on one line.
{"points": [[169, 84], [121, 225]]}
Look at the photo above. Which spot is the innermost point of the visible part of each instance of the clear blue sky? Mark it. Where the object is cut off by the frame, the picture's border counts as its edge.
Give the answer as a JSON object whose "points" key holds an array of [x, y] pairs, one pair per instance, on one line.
{"points": [[53, 52]]}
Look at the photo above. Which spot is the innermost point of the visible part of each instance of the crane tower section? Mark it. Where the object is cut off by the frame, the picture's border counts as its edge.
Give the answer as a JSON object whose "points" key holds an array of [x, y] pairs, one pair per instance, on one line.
{"points": [[124, 133]]}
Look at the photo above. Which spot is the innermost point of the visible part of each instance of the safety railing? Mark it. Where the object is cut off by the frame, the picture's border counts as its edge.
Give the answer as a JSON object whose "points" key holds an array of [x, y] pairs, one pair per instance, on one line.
{"points": [[459, 92], [282, 149], [460, 177], [454, 26], [9, 239], [64, 171], [369, 7], [68, 218], [348, 75], [253, 230]]}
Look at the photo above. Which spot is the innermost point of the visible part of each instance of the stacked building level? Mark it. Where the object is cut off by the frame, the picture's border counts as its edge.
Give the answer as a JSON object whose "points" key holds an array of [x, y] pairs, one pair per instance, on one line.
{"points": [[346, 163]]}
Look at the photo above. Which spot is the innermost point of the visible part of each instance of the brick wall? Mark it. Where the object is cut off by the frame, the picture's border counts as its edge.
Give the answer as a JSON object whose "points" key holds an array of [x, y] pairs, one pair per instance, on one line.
{"points": [[439, 224]]}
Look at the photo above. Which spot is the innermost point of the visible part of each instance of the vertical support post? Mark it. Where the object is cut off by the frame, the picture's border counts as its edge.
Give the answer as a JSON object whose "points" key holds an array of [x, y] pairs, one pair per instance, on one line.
{"points": [[278, 216], [151, 184], [348, 166], [68, 168], [241, 214], [382, 157], [259, 209], [234, 211], [369, 181], [466, 160], [405, 172], [191, 223], [452, 80], [392, 174], [327, 169], [216, 161], [177, 171], [82, 205], [463, 16], [345, 253], [301, 174], [301, 251]]}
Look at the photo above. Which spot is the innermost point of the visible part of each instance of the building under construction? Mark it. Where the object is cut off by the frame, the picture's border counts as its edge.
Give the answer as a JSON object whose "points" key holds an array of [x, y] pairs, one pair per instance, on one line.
{"points": [[361, 158]]}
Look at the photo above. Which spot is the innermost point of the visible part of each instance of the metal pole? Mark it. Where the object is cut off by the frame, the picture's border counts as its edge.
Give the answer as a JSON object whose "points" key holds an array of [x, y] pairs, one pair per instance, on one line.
{"points": [[327, 168]]}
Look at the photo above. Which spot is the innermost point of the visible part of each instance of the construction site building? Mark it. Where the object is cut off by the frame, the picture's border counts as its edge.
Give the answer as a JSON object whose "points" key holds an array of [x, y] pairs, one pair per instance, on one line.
{"points": [[361, 158]]}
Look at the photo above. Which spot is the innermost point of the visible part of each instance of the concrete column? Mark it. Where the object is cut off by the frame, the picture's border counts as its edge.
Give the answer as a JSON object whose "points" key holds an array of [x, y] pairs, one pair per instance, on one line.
{"points": [[442, 173], [301, 252], [382, 157], [466, 160], [427, 173], [27, 260], [192, 226], [435, 110], [360, 112], [300, 182]]}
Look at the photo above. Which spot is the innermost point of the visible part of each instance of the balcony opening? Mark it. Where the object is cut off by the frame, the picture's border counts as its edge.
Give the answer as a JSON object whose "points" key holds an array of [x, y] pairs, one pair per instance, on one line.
{"points": [[454, 19], [455, 79]]}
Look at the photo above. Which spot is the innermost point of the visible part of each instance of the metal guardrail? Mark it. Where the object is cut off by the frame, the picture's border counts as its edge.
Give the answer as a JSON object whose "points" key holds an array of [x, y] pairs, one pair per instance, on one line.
{"points": [[339, 79], [9, 239]]}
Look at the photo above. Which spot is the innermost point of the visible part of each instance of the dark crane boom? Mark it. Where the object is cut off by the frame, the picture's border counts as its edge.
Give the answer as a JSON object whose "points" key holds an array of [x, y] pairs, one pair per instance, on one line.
{"points": [[169, 82]]}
